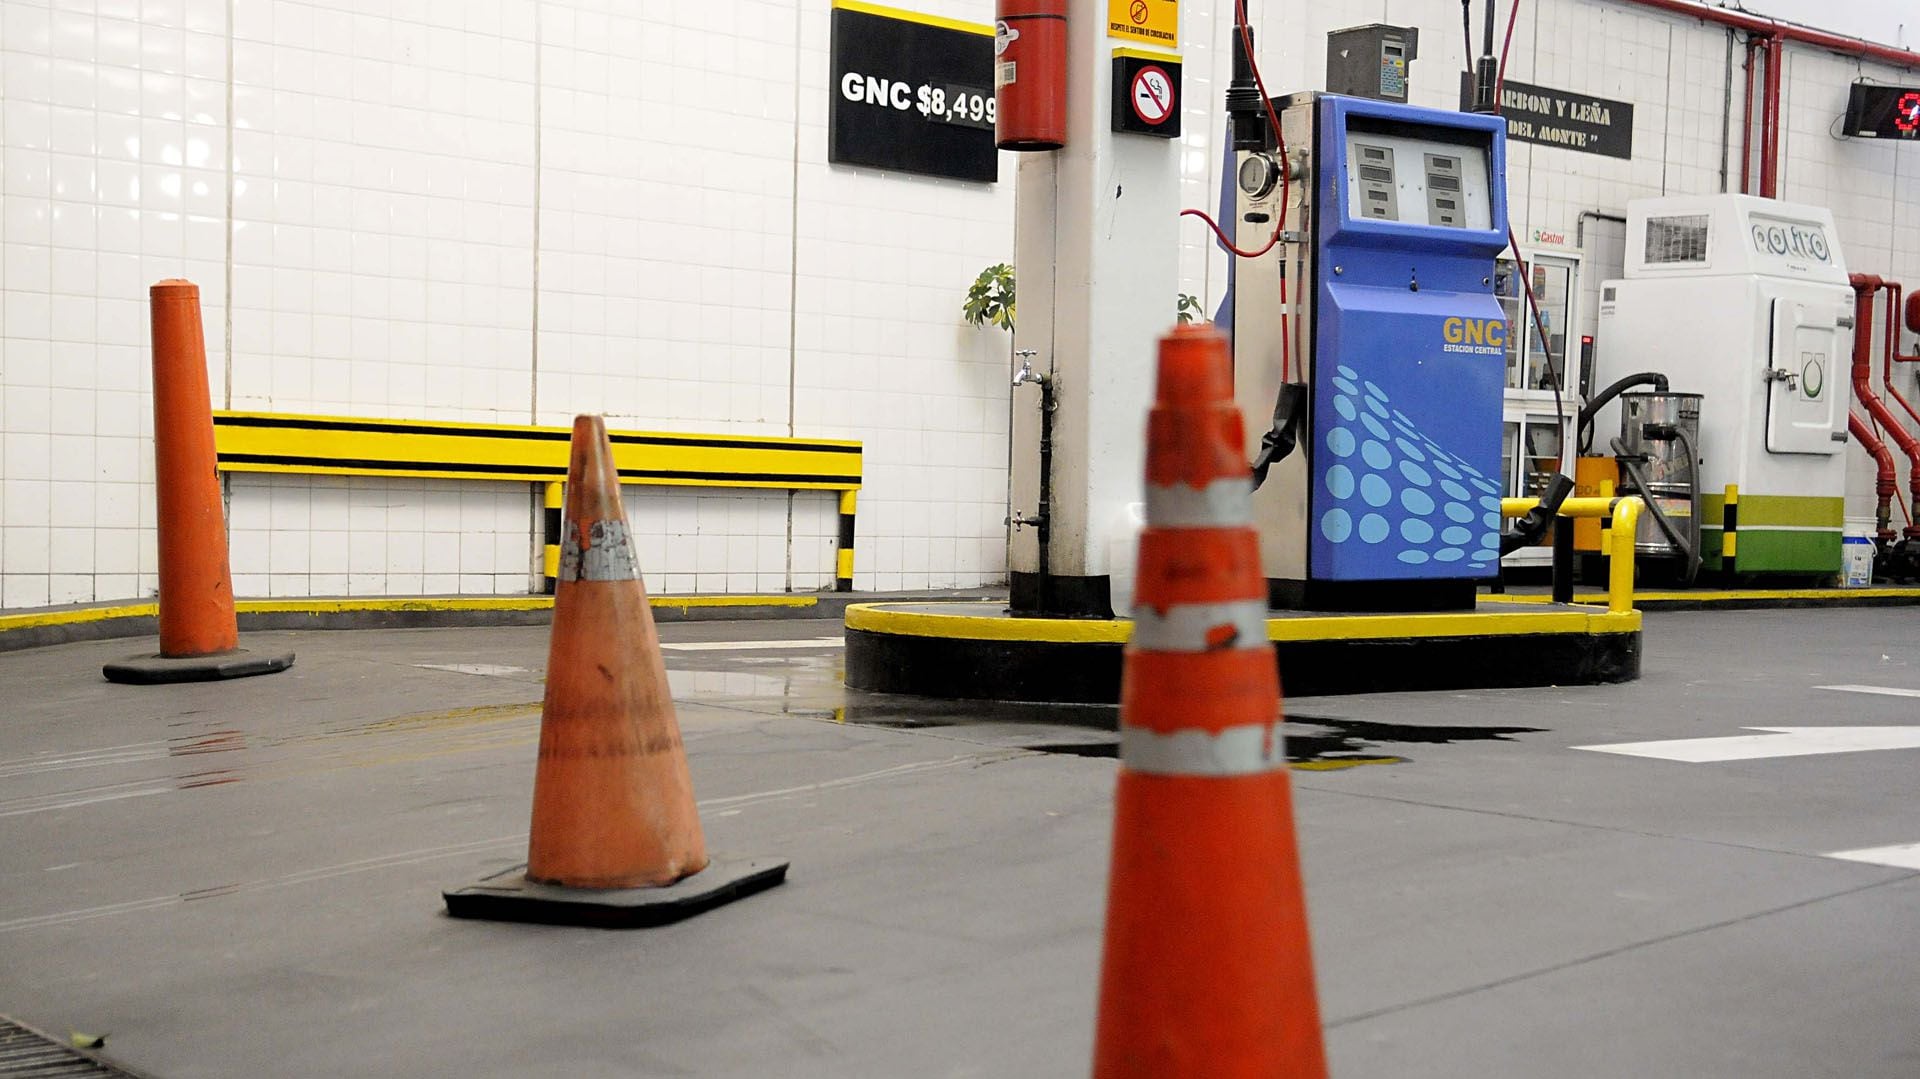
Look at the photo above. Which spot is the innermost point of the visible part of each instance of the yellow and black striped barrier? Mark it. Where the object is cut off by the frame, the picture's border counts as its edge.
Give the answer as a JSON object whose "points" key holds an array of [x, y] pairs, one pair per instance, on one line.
{"points": [[552, 503], [342, 446], [266, 442], [1730, 530], [843, 559]]}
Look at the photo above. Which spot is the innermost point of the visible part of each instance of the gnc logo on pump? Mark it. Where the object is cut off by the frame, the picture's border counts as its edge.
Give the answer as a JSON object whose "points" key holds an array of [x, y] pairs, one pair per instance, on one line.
{"points": [[1482, 336]]}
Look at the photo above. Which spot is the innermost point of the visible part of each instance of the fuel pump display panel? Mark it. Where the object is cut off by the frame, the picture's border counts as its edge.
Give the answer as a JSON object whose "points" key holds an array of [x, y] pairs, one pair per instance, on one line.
{"points": [[1393, 177], [1408, 345]]}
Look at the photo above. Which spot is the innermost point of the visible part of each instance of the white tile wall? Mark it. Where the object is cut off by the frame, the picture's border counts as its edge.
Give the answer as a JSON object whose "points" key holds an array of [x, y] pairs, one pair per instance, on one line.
{"points": [[369, 536], [882, 263], [383, 183], [112, 176], [513, 210], [694, 540]]}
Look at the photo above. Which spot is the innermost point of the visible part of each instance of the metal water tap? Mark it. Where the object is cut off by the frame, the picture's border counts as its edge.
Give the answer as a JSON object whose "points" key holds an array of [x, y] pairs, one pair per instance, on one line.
{"points": [[1026, 372]]}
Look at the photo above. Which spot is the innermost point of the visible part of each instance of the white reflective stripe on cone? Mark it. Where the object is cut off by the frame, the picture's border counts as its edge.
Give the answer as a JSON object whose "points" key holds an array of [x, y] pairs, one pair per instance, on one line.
{"points": [[606, 554], [1201, 627], [1252, 749], [1220, 504]]}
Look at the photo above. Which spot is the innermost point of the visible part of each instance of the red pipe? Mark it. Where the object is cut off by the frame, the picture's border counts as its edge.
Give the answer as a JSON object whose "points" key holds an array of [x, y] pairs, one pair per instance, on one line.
{"points": [[1883, 483], [1746, 120], [1893, 333], [1806, 35], [1770, 142], [1864, 288], [1891, 350]]}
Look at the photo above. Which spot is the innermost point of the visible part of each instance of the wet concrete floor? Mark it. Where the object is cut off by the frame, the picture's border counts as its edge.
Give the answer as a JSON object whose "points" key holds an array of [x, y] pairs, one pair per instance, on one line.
{"points": [[243, 879]]}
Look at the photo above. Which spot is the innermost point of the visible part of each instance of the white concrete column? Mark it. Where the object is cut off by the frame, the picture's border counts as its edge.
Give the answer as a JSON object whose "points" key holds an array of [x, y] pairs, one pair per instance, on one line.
{"points": [[1096, 258]]}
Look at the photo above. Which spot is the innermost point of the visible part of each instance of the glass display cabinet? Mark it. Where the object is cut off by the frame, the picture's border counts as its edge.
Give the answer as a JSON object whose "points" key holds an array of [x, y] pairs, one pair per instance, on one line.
{"points": [[1536, 439]]}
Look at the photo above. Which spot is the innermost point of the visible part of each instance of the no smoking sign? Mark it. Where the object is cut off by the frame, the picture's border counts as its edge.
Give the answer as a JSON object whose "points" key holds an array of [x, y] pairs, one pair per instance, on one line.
{"points": [[1146, 93]]}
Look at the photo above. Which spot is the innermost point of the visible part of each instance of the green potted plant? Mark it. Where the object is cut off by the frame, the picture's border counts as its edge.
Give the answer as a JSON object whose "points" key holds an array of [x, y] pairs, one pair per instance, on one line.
{"points": [[990, 299]]}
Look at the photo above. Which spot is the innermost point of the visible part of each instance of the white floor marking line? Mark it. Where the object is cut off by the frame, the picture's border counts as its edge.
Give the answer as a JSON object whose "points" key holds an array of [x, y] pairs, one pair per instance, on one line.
{"points": [[492, 670], [1777, 742], [73, 800], [89, 758], [752, 646], [1884, 691], [1900, 855]]}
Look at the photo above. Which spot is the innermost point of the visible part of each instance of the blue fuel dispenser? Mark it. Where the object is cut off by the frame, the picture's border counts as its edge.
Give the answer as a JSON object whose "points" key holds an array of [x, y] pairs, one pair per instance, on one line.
{"points": [[1370, 339]]}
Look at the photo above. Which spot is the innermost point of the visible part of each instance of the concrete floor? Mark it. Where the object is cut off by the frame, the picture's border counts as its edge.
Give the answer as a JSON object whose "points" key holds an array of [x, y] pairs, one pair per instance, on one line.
{"points": [[244, 879]]}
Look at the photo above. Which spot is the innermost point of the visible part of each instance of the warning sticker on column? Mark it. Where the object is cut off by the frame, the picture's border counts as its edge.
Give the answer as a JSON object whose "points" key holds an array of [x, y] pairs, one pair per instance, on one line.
{"points": [[1157, 21]]}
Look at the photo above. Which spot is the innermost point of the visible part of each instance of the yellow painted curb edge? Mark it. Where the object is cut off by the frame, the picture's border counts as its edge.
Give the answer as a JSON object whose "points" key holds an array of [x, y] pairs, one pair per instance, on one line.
{"points": [[901, 620], [380, 604], [1732, 595]]}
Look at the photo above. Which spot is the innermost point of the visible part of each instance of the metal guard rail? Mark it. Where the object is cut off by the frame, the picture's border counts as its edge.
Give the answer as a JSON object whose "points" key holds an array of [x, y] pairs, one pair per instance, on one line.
{"points": [[1616, 540]]}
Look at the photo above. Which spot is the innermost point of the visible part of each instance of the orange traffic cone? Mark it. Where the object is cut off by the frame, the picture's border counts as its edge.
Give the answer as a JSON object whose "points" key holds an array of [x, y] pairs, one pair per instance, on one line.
{"points": [[616, 837], [199, 636], [1207, 968]]}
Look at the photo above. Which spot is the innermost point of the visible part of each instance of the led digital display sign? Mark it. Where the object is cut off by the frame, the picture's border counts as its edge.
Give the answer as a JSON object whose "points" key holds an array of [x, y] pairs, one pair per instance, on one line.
{"points": [[1883, 112]]}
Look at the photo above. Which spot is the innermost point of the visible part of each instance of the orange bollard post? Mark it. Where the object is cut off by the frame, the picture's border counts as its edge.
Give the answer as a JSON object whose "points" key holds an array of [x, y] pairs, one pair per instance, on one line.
{"points": [[616, 838], [199, 636], [1207, 968]]}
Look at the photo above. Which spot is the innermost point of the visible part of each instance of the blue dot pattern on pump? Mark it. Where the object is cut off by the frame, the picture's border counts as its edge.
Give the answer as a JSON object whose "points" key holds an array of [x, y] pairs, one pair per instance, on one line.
{"points": [[1392, 485]]}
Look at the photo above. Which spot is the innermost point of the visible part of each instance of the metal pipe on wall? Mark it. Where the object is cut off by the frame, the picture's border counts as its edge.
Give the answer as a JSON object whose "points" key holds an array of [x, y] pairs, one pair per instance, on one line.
{"points": [[1865, 288], [1894, 290], [1726, 113], [1770, 144], [1805, 35], [1774, 33], [1890, 349], [1883, 481], [1746, 121]]}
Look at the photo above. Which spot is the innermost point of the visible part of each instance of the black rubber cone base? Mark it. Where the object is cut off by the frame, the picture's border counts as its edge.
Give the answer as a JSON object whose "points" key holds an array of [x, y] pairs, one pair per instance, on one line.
{"points": [[508, 896], [158, 670]]}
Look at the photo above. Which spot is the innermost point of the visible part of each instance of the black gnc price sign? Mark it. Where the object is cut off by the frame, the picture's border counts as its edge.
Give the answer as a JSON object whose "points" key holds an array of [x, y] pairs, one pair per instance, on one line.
{"points": [[1883, 112], [911, 92]]}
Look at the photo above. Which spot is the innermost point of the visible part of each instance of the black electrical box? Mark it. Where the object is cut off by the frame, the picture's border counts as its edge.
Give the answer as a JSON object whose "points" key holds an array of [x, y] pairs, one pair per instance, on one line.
{"points": [[1371, 61], [1875, 111]]}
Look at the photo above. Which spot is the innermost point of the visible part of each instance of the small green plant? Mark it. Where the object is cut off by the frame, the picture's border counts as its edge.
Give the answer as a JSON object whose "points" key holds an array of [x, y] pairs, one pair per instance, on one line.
{"points": [[991, 298]]}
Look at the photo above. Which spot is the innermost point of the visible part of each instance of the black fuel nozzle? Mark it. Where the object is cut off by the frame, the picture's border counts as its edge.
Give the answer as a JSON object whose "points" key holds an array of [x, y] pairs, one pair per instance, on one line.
{"points": [[1244, 106], [1534, 525], [1289, 407]]}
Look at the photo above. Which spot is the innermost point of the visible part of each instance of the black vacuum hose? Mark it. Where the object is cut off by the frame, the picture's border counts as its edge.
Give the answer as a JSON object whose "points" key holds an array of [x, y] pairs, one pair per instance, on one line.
{"points": [[1693, 482], [1582, 435]]}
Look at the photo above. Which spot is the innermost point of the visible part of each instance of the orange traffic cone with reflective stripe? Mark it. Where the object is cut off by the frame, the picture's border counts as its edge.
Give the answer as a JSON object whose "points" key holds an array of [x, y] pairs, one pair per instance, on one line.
{"points": [[1207, 969], [616, 838]]}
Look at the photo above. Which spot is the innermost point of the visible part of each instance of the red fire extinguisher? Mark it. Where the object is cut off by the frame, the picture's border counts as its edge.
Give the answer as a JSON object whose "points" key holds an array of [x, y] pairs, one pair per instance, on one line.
{"points": [[1030, 75]]}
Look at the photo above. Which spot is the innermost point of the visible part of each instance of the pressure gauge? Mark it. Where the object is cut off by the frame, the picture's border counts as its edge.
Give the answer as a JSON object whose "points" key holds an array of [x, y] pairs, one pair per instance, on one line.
{"points": [[1258, 175]]}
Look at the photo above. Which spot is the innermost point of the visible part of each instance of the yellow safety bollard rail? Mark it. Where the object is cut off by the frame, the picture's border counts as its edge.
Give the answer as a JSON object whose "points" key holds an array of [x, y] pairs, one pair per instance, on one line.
{"points": [[1626, 526]]}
